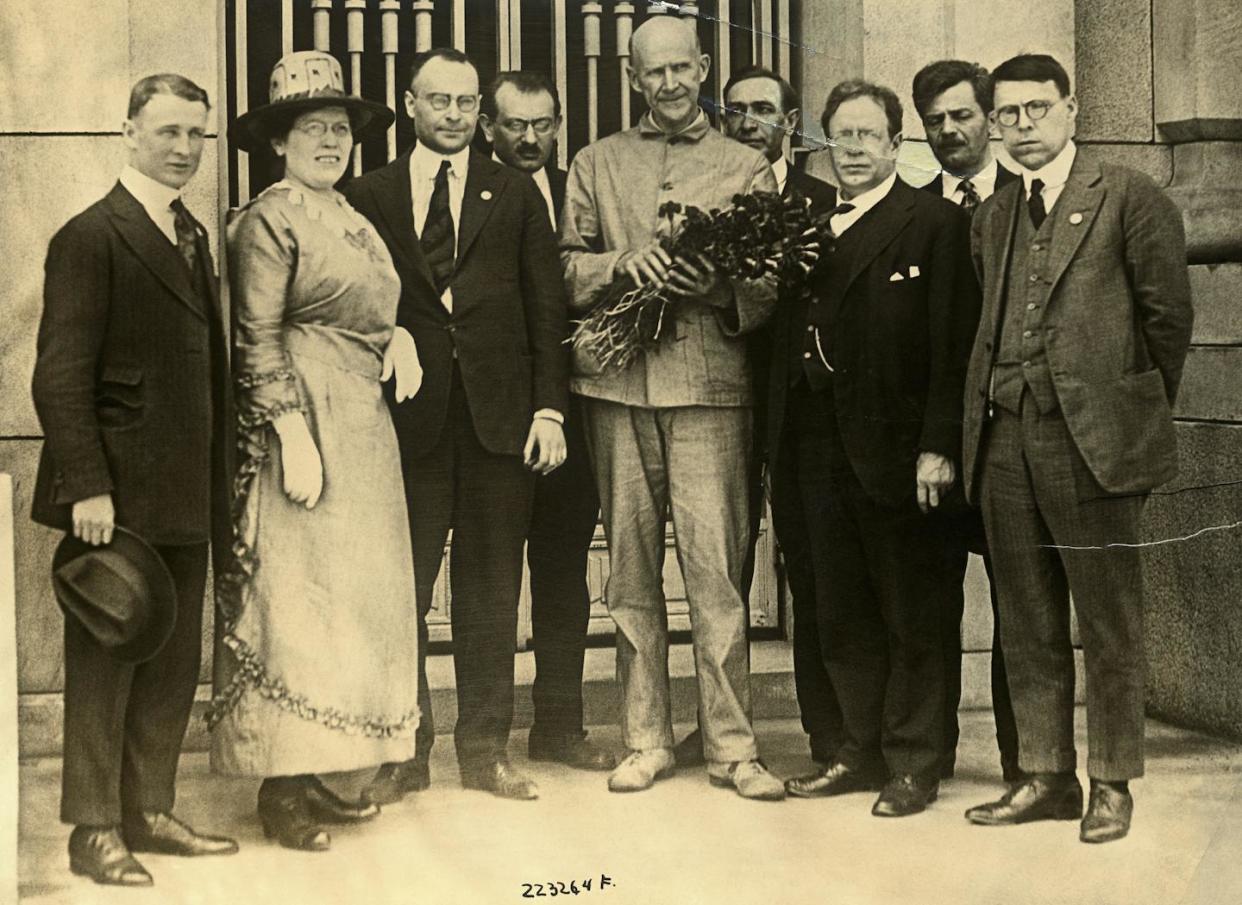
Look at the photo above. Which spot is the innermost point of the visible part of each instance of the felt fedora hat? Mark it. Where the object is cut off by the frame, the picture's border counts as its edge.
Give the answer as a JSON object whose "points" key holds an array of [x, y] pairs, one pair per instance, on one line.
{"points": [[121, 593], [301, 81]]}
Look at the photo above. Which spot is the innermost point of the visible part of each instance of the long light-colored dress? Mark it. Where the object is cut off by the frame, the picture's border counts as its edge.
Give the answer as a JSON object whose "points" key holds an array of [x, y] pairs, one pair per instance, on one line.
{"points": [[318, 667]]}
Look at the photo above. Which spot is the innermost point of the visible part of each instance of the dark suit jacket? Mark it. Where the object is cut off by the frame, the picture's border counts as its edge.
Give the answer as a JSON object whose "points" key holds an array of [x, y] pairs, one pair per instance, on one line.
{"points": [[556, 182], [509, 311], [131, 380], [1117, 320], [759, 342], [1003, 178], [899, 347]]}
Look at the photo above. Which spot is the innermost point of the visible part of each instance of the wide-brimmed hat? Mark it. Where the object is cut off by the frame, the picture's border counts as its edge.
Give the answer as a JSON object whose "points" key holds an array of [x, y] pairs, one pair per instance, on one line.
{"points": [[302, 81], [121, 593]]}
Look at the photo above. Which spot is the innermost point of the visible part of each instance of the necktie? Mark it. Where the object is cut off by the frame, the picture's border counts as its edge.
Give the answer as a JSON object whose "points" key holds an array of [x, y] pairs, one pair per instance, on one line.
{"points": [[186, 234], [970, 197], [843, 208], [438, 241], [1035, 204]]}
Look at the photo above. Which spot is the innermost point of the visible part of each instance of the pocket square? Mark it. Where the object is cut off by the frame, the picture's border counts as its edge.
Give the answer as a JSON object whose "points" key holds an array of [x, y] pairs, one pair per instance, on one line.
{"points": [[895, 277], [914, 271]]}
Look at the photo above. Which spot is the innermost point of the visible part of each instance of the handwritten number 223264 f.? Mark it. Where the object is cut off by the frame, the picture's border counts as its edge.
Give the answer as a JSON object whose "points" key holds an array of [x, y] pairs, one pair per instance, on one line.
{"points": [[549, 890]]}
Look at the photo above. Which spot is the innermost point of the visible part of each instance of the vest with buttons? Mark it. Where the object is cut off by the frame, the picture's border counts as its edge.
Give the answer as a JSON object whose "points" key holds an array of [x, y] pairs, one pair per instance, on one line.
{"points": [[828, 284], [1021, 360]]}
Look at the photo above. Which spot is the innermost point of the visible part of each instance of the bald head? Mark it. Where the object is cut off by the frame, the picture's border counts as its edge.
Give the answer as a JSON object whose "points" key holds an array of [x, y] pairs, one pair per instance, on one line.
{"points": [[667, 67]]}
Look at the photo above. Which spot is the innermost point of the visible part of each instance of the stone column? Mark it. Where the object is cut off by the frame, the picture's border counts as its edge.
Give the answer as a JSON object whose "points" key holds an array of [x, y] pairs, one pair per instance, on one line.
{"points": [[1194, 624]]}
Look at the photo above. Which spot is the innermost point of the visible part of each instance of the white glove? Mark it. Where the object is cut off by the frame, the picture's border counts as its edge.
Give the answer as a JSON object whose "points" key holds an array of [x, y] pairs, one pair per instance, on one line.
{"points": [[299, 460], [401, 359]]}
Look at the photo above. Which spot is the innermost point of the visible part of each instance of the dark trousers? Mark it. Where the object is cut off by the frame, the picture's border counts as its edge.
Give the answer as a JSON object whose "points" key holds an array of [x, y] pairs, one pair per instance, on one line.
{"points": [[566, 510], [804, 550], [963, 540], [485, 499], [124, 723], [881, 583], [1040, 501]]}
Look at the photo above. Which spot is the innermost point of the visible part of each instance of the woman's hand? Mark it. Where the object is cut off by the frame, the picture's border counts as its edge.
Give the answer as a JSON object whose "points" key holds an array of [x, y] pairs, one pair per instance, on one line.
{"points": [[401, 359], [299, 460]]}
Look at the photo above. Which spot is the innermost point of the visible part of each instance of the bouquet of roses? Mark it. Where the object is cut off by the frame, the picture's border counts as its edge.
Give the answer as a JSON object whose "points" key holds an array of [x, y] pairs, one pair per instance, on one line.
{"points": [[760, 234]]}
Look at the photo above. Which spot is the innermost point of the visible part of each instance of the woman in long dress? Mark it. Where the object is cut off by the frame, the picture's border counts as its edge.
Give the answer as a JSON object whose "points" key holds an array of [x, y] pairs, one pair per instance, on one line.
{"points": [[317, 668]]}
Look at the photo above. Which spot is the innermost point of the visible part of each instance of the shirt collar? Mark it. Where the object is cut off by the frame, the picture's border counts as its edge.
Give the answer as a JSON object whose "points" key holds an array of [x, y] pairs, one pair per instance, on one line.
{"points": [[152, 195], [540, 175], [780, 169], [986, 176], [698, 127], [425, 163], [1053, 174], [870, 198]]}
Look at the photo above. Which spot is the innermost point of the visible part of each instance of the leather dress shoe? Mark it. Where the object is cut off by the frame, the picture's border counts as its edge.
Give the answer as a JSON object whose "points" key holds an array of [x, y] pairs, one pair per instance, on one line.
{"points": [[286, 816], [326, 805], [834, 779], [1108, 814], [574, 750], [689, 751], [904, 795], [394, 781], [100, 853], [1042, 796], [164, 834], [501, 779]]}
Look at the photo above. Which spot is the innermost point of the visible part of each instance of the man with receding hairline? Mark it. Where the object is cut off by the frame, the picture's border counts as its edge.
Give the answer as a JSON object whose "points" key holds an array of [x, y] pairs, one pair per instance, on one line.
{"points": [[131, 387], [671, 433]]}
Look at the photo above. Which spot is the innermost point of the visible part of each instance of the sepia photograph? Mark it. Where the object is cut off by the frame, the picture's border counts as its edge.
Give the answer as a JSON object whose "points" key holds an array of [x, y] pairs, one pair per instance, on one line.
{"points": [[641, 453]]}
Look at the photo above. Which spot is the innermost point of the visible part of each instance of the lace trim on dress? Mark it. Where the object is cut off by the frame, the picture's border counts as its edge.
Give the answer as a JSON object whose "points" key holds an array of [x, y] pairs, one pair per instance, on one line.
{"points": [[254, 452]]}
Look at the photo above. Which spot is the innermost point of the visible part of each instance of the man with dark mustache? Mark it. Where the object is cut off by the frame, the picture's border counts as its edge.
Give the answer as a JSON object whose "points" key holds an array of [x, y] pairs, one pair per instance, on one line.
{"points": [[953, 99], [521, 115]]}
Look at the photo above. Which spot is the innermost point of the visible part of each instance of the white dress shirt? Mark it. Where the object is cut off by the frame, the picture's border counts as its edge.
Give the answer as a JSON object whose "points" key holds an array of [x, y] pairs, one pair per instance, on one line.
{"points": [[155, 197], [984, 182], [780, 169], [424, 167], [545, 188], [1054, 174], [863, 203]]}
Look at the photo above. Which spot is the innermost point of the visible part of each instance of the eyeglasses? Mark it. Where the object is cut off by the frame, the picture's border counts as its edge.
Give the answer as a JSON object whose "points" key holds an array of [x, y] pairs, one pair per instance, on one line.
{"points": [[848, 137], [466, 103], [1035, 111], [542, 126], [317, 129]]}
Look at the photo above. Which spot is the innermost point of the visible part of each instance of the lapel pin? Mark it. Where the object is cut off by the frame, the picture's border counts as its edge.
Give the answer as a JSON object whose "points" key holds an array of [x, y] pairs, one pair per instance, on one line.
{"points": [[487, 196], [1075, 218]]}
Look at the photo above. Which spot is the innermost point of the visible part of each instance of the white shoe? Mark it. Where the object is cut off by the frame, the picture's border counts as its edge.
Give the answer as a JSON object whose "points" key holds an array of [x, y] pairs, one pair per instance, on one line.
{"points": [[750, 778], [641, 769]]}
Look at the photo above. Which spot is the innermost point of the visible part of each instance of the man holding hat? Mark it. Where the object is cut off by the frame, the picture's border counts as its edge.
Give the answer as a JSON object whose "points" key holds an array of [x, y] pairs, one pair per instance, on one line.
{"points": [[130, 386]]}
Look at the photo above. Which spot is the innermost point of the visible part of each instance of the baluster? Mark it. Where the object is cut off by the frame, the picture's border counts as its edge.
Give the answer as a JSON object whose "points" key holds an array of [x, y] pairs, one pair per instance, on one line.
{"points": [[763, 32], [354, 10], [422, 24], [590, 27], [286, 27], [241, 88], [515, 34], [689, 10], [657, 8], [459, 25], [323, 18], [502, 34], [625, 27], [722, 59], [388, 22], [561, 64], [784, 38]]}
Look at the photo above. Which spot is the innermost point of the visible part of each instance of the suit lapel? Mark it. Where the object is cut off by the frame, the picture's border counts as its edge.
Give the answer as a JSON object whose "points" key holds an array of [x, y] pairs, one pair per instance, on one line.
{"points": [[483, 187], [1008, 207], [393, 200], [153, 249], [880, 226], [1074, 211]]}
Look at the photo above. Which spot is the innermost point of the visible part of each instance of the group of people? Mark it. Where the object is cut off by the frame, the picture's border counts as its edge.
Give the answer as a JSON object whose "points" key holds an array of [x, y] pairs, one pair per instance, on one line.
{"points": [[983, 364]]}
